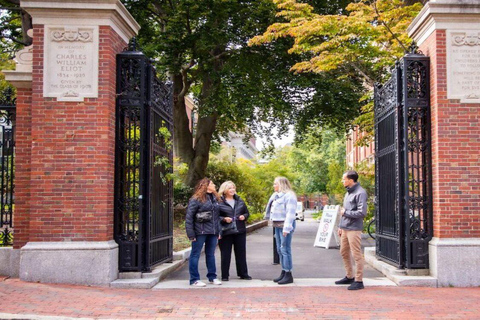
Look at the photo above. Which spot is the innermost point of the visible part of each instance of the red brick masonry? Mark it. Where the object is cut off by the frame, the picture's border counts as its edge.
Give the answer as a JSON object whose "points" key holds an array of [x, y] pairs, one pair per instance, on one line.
{"points": [[455, 151], [65, 156], [244, 303]]}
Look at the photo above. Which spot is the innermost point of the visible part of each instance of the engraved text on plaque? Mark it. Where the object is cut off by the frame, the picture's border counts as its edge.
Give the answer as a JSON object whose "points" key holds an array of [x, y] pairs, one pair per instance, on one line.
{"points": [[71, 63], [463, 66]]}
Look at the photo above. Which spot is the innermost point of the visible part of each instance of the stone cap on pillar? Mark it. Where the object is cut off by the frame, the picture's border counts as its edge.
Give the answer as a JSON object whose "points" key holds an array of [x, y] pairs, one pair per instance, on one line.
{"points": [[83, 12], [443, 15], [22, 76]]}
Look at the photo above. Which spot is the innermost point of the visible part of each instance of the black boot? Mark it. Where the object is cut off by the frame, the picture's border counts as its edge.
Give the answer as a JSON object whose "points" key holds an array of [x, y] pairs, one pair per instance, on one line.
{"points": [[281, 276], [287, 279]]}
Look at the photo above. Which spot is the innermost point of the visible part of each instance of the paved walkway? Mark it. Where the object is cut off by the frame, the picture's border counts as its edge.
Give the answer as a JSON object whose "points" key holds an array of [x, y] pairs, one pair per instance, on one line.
{"points": [[312, 265], [23, 300], [312, 296]]}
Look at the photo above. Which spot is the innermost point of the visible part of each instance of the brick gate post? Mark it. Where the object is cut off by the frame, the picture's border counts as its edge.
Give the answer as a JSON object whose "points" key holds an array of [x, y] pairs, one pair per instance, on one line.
{"points": [[66, 142], [448, 31]]}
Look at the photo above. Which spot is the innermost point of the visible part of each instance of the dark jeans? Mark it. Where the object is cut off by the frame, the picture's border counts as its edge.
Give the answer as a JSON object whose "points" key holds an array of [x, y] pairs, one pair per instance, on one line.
{"points": [[239, 242], [210, 241]]}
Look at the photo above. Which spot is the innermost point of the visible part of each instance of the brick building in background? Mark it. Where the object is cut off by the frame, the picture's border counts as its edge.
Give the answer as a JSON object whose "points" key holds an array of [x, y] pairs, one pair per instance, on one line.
{"points": [[356, 154]]}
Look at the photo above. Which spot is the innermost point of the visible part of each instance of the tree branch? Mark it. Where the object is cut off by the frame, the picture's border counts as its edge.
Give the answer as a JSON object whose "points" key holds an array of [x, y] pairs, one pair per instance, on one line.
{"points": [[387, 27], [367, 78], [18, 41], [186, 83]]}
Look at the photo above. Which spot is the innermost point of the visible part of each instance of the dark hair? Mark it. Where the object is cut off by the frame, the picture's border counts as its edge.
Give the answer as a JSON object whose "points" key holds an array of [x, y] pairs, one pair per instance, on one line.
{"points": [[200, 191], [350, 174]]}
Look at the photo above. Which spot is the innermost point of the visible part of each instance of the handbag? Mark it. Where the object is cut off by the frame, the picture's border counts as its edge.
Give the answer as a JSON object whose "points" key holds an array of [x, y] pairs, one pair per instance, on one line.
{"points": [[229, 228], [277, 224], [204, 216]]}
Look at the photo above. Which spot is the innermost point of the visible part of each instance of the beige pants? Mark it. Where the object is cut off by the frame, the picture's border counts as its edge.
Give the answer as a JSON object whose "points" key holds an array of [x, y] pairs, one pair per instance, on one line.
{"points": [[350, 242]]}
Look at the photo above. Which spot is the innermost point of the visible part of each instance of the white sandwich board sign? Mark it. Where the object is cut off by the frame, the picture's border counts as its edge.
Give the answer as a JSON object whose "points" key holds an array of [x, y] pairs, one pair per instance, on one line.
{"points": [[327, 236]]}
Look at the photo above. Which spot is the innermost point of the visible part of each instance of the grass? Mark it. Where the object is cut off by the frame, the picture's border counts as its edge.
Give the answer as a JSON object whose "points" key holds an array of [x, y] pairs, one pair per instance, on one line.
{"points": [[317, 215], [180, 239]]}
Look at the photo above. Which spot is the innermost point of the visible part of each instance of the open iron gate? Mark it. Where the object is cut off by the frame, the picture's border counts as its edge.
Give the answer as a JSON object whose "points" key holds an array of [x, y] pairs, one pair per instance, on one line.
{"points": [[7, 166], [143, 190], [403, 183]]}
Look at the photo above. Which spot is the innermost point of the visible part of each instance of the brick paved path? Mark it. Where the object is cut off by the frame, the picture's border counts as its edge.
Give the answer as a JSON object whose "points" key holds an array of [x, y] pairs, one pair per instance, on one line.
{"points": [[17, 297]]}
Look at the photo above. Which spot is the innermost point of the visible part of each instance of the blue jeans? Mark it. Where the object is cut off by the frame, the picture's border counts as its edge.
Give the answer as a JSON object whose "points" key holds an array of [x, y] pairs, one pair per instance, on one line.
{"points": [[284, 248], [210, 241]]}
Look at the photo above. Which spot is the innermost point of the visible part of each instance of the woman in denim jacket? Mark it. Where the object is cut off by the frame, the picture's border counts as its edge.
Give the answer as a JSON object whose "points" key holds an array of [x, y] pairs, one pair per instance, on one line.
{"points": [[281, 211]]}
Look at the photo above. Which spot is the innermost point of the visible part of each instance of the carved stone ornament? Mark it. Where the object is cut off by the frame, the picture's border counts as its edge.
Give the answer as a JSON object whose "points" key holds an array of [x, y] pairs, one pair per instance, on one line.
{"points": [[71, 93], [72, 34], [464, 39], [463, 65], [71, 60], [24, 59]]}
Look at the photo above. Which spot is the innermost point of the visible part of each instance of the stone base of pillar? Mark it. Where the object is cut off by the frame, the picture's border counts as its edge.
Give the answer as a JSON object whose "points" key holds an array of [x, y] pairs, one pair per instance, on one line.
{"points": [[82, 262], [455, 261], [10, 262]]}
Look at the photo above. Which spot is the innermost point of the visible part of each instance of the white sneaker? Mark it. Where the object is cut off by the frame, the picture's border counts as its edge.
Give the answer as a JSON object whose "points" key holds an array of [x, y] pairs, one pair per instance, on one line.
{"points": [[216, 281], [199, 284]]}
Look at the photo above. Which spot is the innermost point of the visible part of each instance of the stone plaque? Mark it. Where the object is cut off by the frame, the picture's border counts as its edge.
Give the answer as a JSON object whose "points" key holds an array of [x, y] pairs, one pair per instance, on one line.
{"points": [[70, 63], [463, 66]]}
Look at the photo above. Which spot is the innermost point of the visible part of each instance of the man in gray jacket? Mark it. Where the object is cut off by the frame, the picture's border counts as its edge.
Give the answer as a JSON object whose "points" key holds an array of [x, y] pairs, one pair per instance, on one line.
{"points": [[350, 229]]}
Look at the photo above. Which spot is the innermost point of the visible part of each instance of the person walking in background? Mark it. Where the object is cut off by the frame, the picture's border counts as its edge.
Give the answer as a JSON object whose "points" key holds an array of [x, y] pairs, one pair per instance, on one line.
{"points": [[350, 230], [233, 232], [281, 211], [202, 226]]}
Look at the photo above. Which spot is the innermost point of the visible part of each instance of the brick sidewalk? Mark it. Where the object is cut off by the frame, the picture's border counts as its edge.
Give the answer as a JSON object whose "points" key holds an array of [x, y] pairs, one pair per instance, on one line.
{"points": [[17, 297]]}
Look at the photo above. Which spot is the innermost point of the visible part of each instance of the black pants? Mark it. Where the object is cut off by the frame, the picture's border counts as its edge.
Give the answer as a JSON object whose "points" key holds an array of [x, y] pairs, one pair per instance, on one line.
{"points": [[239, 242]]}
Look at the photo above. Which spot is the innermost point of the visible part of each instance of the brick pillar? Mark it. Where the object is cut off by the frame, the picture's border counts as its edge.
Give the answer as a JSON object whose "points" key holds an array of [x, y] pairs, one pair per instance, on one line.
{"points": [[448, 31], [66, 142]]}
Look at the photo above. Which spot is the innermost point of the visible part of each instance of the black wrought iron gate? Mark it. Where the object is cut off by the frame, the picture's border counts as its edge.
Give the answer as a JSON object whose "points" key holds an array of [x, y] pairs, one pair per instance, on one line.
{"points": [[403, 184], [143, 190], [7, 166]]}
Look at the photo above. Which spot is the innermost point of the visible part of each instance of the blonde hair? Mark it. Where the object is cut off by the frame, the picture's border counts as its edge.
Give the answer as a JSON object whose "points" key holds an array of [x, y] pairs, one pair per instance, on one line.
{"points": [[283, 185], [225, 186]]}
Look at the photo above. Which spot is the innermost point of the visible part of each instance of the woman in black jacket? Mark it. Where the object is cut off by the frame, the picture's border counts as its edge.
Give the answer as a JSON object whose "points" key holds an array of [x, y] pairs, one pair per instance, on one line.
{"points": [[233, 215], [202, 226]]}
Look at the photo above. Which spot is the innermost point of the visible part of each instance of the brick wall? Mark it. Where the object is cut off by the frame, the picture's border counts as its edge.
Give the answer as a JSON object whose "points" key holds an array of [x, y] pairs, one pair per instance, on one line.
{"points": [[22, 166], [70, 162], [455, 152]]}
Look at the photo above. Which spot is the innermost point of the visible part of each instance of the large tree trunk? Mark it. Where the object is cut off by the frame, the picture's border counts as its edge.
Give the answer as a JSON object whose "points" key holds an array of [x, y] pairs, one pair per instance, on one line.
{"points": [[26, 25], [196, 157], [182, 136], [204, 133]]}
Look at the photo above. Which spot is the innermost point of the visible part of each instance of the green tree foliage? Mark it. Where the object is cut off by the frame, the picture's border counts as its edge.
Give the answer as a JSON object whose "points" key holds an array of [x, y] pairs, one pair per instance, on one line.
{"points": [[202, 47], [366, 172], [14, 24], [365, 40]]}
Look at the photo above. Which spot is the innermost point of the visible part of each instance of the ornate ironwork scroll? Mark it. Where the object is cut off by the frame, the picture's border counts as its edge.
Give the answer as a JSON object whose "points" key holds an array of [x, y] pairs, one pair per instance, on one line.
{"points": [[403, 164], [389, 246], [143, 200], [7, 166], [417, 160]]}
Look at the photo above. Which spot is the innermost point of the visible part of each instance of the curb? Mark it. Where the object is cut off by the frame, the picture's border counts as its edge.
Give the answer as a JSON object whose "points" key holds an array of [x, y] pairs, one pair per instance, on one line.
{"points": [[401, 277], [139, 280]]}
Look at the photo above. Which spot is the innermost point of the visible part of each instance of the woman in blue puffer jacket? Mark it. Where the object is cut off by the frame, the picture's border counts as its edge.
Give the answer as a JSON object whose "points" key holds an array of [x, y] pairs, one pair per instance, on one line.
{"points": [[202, 226]]}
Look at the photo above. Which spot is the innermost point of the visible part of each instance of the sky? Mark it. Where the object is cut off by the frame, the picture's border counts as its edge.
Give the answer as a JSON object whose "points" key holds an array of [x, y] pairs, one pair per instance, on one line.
{"points": [[278, 142]]}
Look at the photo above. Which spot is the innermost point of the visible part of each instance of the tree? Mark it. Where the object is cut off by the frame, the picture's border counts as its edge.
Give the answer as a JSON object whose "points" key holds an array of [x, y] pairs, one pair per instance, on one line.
{"points": [[202, 47], [365, 40], [312, 158], [15, 22]]}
